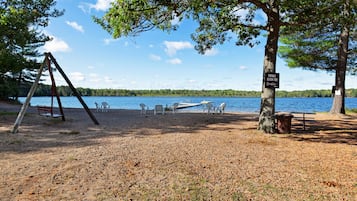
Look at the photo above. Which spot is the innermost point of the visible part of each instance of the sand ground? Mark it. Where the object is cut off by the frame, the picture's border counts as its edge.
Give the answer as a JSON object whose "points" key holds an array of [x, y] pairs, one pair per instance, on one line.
{"points": [[183, 156]]}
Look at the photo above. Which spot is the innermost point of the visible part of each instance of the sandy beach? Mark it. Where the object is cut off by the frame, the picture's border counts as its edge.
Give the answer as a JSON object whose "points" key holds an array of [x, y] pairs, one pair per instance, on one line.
{"points": [[182, 156]]}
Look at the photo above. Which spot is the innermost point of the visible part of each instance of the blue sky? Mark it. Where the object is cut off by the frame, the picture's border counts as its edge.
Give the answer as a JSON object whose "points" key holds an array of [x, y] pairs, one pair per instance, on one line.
{"points": [[157, 60]]}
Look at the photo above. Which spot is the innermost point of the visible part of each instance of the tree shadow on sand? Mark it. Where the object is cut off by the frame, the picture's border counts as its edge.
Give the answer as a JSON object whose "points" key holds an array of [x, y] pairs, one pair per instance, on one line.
{"points": [[37, 132], [341, 130]]}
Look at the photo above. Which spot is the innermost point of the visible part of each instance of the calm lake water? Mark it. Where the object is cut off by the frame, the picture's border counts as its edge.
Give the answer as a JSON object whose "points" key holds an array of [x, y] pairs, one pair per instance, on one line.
{"points": [[233, 104]]}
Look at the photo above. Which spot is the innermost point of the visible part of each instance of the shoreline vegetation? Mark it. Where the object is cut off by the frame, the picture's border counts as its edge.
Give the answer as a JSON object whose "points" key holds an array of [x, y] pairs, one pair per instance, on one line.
{"points": [[45, 90]]}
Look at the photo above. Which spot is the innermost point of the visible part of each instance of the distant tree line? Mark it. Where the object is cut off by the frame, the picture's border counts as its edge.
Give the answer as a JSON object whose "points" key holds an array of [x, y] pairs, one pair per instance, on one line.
{"points": [[45, 90]]}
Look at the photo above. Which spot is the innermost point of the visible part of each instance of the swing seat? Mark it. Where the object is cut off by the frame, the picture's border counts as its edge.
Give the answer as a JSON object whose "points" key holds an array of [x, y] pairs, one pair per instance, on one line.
{"points": [[47, 112]]}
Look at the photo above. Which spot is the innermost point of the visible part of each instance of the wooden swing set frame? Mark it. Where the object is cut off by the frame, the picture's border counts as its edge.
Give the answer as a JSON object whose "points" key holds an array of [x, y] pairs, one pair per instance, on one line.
{"points": [[48, 111]]}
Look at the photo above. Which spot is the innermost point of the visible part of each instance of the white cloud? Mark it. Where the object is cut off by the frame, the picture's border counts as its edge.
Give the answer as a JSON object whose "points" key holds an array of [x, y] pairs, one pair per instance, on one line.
{"points": [[260, 17], [241, 12], [243, 67], [108, 79], [75, 26], [211, 52], [56, 45], [107, 41], [77, 76], [100, 5], [173, 46], [154, 57], [175, 21], [94, 78], [174, 61]]}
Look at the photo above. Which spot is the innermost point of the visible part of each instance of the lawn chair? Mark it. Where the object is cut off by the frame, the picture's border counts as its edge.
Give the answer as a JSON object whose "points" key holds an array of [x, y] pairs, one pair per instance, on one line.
{"points": [[174, 108], [159, 109], [221, 108], [105, 107], [143, 108], [97, 107], [209, 107]]}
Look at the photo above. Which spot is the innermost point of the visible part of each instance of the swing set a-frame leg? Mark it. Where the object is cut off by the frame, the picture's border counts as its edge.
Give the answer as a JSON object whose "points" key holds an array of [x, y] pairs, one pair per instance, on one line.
{"points": [[74, 90], [26, 104], [49, 57]]}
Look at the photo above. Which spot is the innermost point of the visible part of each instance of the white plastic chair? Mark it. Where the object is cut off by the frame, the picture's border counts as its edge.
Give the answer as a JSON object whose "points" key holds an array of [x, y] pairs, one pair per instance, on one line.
{"points": [[174, 107], [97, 108], [221, 108], [105, 107], [143, 108], [159, 109], [209, 107]]}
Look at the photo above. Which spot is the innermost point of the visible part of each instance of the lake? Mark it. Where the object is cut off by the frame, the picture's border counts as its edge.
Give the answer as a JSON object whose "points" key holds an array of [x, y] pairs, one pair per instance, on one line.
{"points": [[234, 104]]}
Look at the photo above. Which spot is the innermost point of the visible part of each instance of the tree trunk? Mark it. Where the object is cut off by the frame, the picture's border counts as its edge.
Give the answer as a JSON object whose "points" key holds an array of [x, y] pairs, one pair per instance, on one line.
{"points": [[267, 105], [338, 106]]}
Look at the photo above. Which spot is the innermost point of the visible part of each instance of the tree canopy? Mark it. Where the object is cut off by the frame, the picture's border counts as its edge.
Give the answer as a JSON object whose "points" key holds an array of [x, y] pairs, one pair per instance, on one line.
{"points": [[314, 45], [327, 44], [21, 36]]}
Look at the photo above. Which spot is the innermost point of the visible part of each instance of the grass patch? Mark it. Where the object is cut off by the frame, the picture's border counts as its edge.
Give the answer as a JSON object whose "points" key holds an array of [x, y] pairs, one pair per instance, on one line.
{"points": [[52, 121], [262, 141], [70, 132], [191, 188], [15, 141], [351, 111], [8, 113], [71, 158], [239, 196]]}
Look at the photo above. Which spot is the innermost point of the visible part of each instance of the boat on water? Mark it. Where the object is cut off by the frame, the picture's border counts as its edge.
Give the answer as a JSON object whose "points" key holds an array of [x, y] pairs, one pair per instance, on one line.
{"points": [[188, 105]]}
